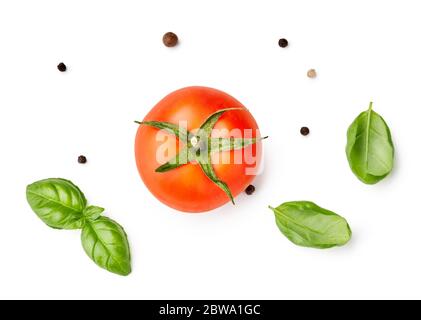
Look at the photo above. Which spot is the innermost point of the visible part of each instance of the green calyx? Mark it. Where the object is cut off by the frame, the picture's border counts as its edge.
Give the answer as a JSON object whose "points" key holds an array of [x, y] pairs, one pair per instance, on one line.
{"points": [[200, 146]]}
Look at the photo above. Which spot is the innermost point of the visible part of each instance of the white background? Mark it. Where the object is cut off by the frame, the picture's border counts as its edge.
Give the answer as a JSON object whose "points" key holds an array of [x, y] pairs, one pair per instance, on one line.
{"points": [[118, 69]]}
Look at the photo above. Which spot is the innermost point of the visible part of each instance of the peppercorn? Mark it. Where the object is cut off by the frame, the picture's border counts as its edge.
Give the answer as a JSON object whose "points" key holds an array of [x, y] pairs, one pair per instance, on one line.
{"points": [[250, 189], [61, 67], [170, 39], [283, 43], [82, 159], [305, 131], [311, 73]]}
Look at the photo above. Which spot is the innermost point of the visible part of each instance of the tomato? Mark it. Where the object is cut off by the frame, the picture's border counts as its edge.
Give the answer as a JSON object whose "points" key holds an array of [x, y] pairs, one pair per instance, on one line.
{"points": [[187, 188]]}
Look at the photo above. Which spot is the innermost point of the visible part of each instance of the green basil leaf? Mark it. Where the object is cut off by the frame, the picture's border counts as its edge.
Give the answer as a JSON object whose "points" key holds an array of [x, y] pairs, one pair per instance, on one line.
{"points": [[57, 202], [93, 212], [308, 225], [369, 149], [105, 242]]}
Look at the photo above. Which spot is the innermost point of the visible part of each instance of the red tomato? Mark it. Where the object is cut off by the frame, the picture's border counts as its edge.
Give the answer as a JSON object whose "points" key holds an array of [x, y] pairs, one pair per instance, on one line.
{"points": [[187, 188]]}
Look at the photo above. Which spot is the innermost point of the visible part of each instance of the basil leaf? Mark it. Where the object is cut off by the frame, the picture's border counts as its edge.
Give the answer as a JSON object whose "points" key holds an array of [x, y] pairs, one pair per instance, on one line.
{"points": [[57, 202], [308, 225], [105, 242], [93, 212], [369, 149]]}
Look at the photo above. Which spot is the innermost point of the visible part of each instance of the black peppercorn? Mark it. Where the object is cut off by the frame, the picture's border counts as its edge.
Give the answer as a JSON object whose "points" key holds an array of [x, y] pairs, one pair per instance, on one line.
{"points": [[283, 43], [170, 39], [61, 67], [305, 131], [82, 159], [250, 189]]}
